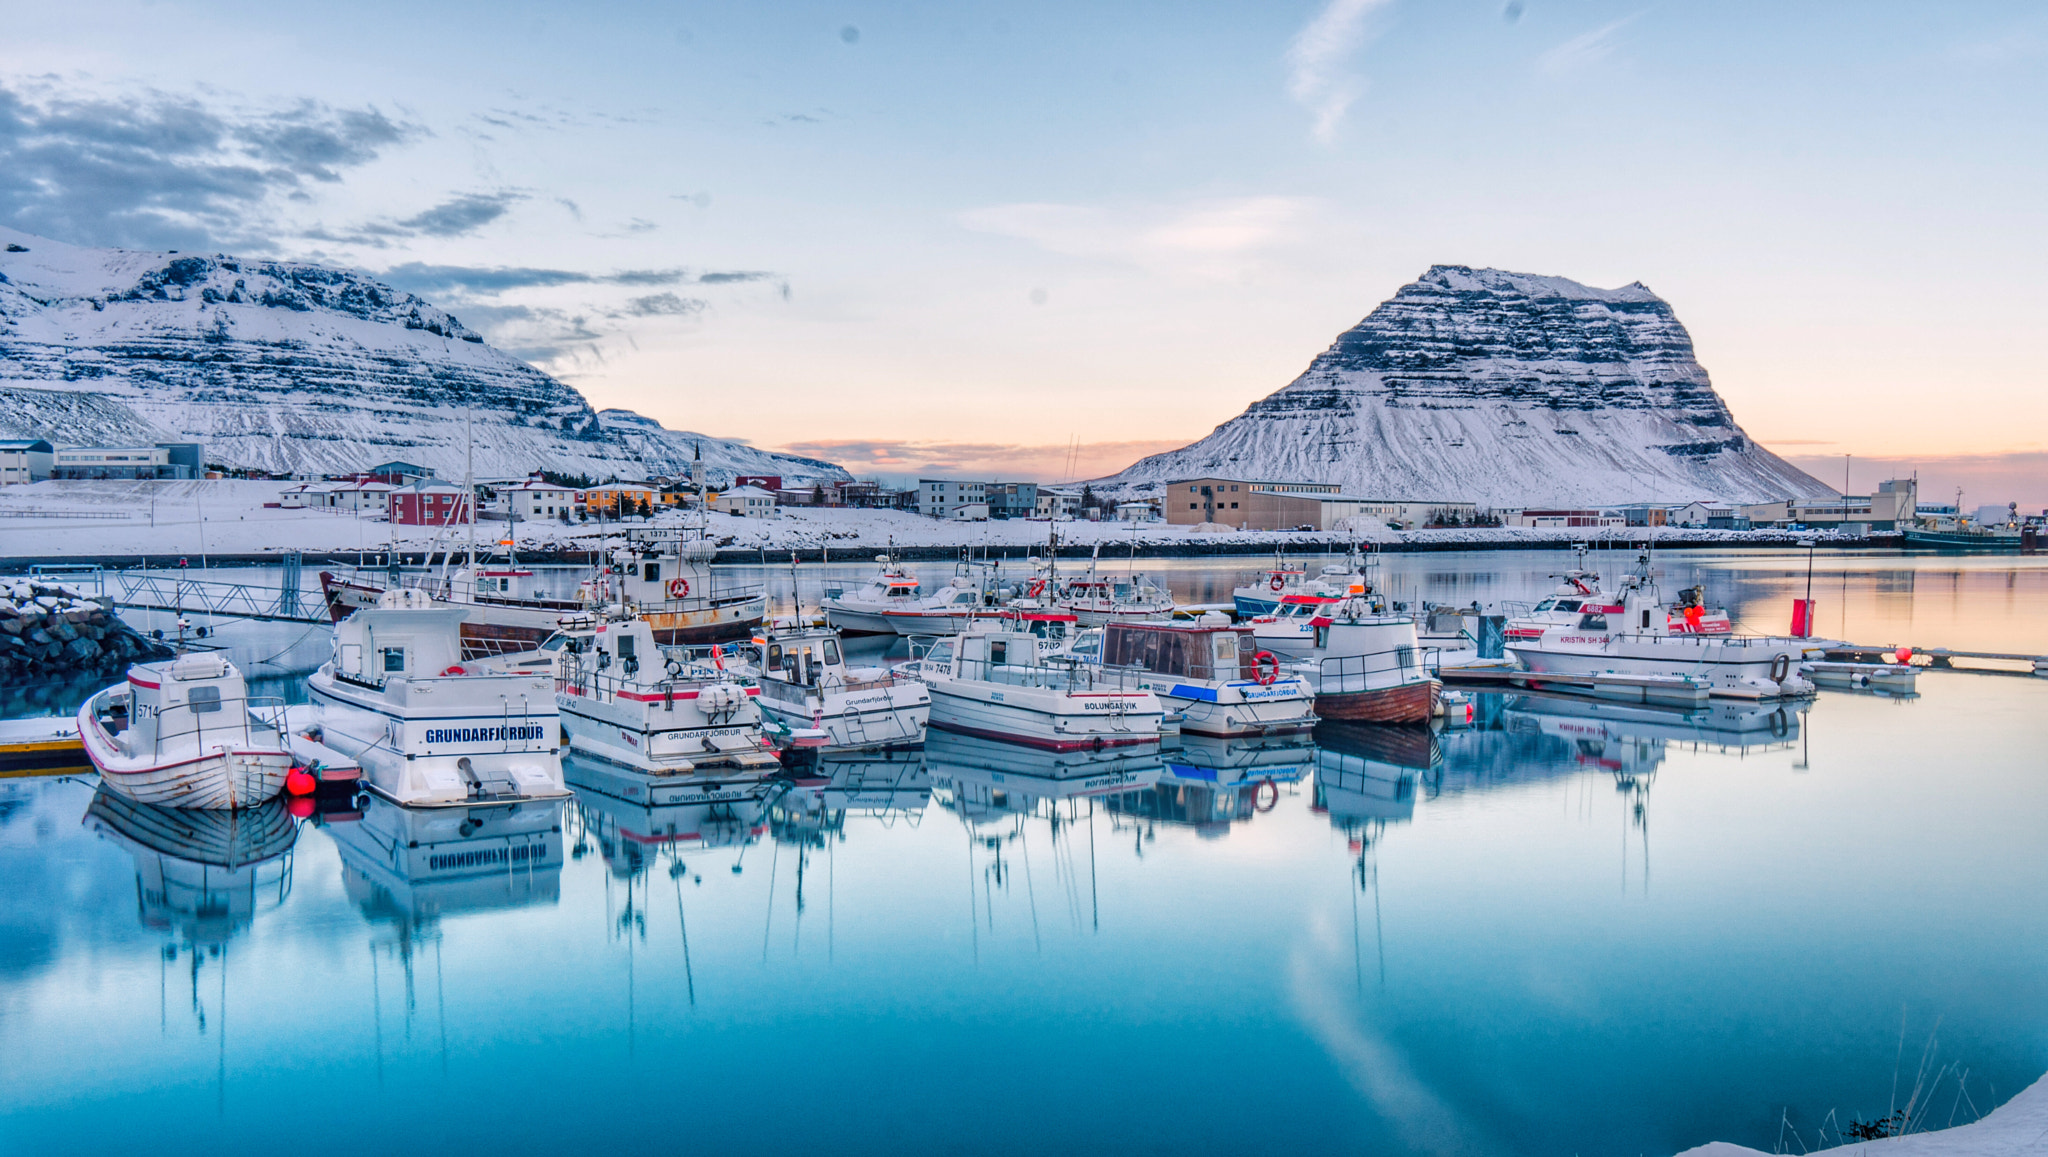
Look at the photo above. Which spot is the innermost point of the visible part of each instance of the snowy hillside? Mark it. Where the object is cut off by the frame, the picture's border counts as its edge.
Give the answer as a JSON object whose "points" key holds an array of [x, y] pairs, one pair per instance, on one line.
{"points": [[1508, 389], [287, 367]]}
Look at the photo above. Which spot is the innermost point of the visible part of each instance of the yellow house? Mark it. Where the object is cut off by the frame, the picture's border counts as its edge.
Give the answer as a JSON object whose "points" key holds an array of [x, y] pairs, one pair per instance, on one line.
{"points": [[610, 498]]}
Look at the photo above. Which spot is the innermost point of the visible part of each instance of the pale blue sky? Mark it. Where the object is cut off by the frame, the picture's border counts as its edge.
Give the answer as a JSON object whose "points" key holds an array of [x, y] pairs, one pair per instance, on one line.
{"points": [[916, 234]]}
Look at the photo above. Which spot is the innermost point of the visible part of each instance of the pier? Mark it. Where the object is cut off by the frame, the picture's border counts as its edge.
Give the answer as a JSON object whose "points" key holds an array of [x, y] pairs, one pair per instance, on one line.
{"points": [[157, 590], [1940, 658]]}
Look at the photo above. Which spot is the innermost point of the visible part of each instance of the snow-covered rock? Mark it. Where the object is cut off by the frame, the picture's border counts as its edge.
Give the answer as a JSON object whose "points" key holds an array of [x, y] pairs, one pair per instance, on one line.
{"points": [[290, 368], [1507, 389]]}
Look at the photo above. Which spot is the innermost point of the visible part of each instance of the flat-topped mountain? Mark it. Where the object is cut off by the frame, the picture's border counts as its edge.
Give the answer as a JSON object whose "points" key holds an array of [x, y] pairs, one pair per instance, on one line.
{"points": [[1509, 389], [292, 367]]}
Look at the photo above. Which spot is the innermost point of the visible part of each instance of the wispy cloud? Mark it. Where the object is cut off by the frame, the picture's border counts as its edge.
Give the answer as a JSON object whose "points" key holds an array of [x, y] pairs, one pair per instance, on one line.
{"points": [[1584, 50], [1218, 237], [162, 170], [1317, 77]]}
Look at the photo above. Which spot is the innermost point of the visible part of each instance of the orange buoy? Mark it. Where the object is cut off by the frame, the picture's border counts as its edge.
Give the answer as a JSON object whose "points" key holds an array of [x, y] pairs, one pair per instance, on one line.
{"points": [[1903, 654], [299, 782]]}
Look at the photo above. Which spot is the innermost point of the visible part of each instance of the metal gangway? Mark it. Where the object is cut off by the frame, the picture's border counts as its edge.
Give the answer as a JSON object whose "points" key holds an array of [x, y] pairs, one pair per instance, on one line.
{"points": [[175, 590]]}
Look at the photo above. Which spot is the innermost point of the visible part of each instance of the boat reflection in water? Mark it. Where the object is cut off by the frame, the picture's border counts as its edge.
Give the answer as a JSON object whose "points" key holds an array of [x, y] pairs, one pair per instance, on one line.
{"points": [[1632, 738], [1366, 775], [986, 780], [638, 820], [201, 873], [888, 786], [413, 865], [1211, 783]]}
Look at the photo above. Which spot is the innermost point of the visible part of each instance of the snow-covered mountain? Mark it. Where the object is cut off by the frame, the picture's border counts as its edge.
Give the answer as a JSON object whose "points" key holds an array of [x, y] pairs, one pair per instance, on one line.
{"points": [[1508, 389], [297, 368]]}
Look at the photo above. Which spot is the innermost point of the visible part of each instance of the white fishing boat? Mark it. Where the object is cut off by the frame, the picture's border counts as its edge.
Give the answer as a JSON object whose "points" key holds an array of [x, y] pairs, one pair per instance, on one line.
{"points": [[186, 733], [427, 728], [1289, 629], [1263, 592], [805, 682], [1212, 674], [626, 699], [864, 610], [1001, 684], [514, 607], [1630, 634], [1097, 600], [1368, 666]]}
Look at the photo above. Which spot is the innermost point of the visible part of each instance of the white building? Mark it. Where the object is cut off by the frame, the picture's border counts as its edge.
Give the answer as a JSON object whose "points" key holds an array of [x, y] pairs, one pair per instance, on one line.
{"points": [[534, 499], [362, 497], [1137, 512], [747, 502], [940, 497], [24, 460]]}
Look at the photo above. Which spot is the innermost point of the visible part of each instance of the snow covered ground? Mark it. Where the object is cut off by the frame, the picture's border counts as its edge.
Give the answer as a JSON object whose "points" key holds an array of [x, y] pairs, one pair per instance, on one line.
{"points": [[2018, 1126], [84, 519]]}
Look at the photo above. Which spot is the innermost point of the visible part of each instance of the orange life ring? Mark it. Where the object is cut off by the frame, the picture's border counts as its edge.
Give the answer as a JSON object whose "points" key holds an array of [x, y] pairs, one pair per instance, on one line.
{"points": [[456, 670], [679, 588], [1036, 589], [1265, 668], [1278, 583], [1274, 798]]}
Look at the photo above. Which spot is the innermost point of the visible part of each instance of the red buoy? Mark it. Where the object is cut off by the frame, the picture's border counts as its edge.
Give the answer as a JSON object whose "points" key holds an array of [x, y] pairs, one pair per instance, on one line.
{"points": [[300, 782], [301, 806]]}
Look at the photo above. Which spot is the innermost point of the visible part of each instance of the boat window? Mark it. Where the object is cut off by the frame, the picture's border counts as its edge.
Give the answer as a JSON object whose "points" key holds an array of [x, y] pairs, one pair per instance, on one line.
{"points": [[941, 652], [899, 592], [204, 700], [394, 660], [832, 651], [1088, 645], [1226, 651], [625, 645], [555, 642], [774, 656], [1570, 604], [1322, 636], [1593, 622], [1546, 605], [964, 598], [998, 651], [650, 571], [1404, 657]]}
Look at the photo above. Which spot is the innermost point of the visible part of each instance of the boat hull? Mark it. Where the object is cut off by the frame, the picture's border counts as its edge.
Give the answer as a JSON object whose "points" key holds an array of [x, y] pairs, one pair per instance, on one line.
{"points": [[1252, 606], [880, 719], [427, 757], [1728, 671], [1050, 720], [849, 620], [630, 735], [1237, 710], [223, 778], [1412, 702]]}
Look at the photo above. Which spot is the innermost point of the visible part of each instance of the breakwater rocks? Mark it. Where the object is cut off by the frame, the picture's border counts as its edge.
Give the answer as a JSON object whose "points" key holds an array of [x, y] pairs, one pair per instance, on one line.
{"points": [[48, 630]]}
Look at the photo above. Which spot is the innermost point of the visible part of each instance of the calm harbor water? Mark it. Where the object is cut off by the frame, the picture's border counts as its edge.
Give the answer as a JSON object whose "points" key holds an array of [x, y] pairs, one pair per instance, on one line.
{"points": [[1570, 928]]}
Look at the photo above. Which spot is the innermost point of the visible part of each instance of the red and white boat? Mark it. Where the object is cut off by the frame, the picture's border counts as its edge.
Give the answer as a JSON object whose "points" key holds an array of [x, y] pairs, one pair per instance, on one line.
{"points": [[185, 733], [625, 699]]}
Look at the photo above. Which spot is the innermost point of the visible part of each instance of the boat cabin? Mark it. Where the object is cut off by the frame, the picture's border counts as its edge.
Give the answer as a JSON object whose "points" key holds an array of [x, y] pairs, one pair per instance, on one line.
{"points": [[1217, 651], [191, 699], [407, 635], [805, 657], [1055, 627], [667, 574]]}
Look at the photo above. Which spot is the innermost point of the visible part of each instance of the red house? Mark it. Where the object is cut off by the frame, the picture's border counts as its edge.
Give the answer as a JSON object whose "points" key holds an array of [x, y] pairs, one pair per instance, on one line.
{"points": [[431, 503]]}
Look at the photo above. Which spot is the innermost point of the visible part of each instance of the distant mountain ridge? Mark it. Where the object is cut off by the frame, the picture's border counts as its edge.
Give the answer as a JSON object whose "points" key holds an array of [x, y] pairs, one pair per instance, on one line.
{"points": [[1513, 390], [298, 368]]}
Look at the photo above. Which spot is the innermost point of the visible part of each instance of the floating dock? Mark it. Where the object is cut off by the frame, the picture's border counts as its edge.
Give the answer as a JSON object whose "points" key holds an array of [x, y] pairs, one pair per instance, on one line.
{"points": [[48, 746], [1939, 658]]}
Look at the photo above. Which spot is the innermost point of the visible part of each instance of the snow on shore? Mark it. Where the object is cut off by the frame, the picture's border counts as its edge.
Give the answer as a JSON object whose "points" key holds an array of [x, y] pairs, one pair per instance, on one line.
{"points": [[2018, 1126], [88, 519]]}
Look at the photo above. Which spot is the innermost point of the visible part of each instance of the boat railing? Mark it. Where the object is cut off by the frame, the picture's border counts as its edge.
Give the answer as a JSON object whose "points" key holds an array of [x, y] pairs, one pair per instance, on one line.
{"points": [[1076, 677], [1341, 673], [220, 721]]}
